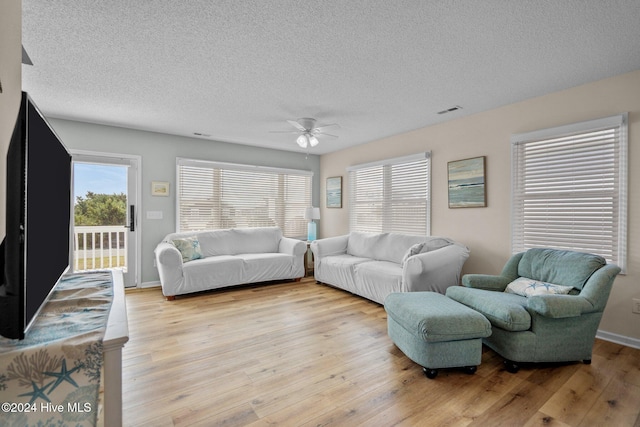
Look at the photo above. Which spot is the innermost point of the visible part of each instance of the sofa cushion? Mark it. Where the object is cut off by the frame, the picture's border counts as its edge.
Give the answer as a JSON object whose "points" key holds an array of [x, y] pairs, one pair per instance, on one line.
{"points": [[212, 272], [239, 241], [377, 279], [381, 246], [528, 287], [566, 268], [267, 266], [344, 260], [256, 240], [338, 270], [504, 310], [189, 248], [361, 245]]}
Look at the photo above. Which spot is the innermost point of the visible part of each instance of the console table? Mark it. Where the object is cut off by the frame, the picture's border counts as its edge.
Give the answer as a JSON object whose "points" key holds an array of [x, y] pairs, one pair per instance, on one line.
{"points": [[74, 345], [115, 337]]}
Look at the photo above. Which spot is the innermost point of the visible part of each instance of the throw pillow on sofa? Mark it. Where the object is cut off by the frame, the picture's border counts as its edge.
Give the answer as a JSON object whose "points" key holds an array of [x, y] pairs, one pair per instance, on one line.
{"points": [[413, 250], [189, 248], [434, 243], [431, 244]]}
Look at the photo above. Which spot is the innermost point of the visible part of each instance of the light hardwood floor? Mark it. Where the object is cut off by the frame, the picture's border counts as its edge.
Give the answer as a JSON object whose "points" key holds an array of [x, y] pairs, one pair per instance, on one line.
{"points": [[302, 354]]}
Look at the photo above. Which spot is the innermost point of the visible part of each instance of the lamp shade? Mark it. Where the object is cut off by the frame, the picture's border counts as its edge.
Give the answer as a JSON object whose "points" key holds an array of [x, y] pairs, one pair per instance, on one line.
{"points": [[303, 140], [312, 213], [306, 139]]}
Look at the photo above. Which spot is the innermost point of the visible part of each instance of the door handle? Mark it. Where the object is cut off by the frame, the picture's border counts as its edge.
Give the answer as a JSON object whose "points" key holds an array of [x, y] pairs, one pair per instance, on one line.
{"points": [[132, 218]]}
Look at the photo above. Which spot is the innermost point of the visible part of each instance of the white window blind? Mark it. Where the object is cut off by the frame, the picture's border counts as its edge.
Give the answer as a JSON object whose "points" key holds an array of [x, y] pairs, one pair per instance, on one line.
{"points": [[569, 188], [214, 195], [391, 195]]}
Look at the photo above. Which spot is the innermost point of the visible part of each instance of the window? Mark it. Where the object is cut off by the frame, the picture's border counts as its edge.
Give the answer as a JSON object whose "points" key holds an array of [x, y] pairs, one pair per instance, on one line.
{"points": [[214, 195], [391, 195], [569, 188]]}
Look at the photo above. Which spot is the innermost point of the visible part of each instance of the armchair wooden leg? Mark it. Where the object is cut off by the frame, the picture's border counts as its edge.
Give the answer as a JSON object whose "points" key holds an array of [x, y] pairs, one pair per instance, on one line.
{"points": [[587, 361]]}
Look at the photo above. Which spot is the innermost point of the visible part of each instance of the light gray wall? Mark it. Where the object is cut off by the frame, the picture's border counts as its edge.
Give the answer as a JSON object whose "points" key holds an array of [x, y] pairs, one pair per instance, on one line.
{"points": [[159, 152]]}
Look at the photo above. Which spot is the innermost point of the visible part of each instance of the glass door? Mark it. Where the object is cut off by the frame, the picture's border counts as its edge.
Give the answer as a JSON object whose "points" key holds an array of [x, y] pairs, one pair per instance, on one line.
{"points": [[105, 231]]}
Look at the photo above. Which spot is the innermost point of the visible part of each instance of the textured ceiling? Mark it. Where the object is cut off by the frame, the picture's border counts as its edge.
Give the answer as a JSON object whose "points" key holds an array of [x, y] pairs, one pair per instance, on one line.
{"points": [[236, 70]]}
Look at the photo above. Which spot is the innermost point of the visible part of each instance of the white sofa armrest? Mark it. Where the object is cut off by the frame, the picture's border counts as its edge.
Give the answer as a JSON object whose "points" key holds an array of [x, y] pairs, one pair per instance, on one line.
{"points": [[435, 270], [169, 263], [329, 246], [291, 246]]}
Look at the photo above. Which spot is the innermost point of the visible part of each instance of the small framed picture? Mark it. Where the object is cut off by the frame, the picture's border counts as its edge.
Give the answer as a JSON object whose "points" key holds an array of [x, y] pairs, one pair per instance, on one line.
{"points": [[160, 188], [466, 180], [334, 192]]}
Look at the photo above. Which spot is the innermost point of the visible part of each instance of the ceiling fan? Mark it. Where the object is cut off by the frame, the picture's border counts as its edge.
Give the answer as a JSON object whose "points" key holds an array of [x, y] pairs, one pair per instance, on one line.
{"points": [[309, 131]]}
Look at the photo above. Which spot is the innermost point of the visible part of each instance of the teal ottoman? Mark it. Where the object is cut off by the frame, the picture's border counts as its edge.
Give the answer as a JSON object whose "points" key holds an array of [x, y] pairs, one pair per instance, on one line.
{"points": [[435, 331]]}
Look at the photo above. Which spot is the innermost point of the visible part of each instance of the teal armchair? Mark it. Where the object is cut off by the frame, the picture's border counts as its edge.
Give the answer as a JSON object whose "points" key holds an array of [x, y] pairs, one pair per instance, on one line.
{"points": [[538, 326]]}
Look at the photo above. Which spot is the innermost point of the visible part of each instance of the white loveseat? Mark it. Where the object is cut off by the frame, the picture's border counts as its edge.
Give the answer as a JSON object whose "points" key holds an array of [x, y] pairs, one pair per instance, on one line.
{"points": [[373, 265], [220, 258]]}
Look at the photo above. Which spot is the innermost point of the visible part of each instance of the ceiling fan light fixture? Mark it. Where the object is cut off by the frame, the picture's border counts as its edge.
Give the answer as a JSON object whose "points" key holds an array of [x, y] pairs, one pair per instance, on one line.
{"points": [[308, 132], [303, 140]]}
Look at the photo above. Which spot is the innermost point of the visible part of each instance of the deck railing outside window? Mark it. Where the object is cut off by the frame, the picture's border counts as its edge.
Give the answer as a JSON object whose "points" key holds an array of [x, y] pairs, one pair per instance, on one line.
{"points": [[99, 247]]}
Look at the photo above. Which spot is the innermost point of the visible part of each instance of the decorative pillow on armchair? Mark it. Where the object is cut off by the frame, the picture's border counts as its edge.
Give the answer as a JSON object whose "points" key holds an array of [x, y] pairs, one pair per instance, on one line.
{"points": [[189, 248], [529, 287]]}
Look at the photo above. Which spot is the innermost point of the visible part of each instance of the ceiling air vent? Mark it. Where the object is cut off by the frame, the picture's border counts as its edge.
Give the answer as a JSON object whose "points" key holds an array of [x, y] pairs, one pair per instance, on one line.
{"points": [[449, 110]]}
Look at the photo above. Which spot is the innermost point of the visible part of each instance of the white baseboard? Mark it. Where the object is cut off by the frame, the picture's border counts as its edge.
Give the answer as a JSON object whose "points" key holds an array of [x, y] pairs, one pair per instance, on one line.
{"points": [[618, 339], [149, 285]]}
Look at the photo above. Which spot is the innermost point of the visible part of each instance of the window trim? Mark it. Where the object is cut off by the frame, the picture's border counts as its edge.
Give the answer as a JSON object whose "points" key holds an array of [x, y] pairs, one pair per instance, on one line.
{"points": [[210, 164], [392, 162], [619, 121]]}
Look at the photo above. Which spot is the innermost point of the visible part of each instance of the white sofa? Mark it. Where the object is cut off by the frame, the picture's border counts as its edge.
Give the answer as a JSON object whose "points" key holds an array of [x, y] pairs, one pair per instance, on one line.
{"points": [[373, 265], [220, 258]]}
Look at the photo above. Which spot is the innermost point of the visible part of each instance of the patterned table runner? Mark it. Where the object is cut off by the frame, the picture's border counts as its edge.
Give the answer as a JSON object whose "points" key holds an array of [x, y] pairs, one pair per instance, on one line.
{"points": [[52, 377]]}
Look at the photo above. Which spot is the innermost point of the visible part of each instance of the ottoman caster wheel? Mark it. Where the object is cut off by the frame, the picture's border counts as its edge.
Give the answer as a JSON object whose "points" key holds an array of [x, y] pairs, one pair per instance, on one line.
{"points": [[430, 373], [470, 369], [511, 367]]}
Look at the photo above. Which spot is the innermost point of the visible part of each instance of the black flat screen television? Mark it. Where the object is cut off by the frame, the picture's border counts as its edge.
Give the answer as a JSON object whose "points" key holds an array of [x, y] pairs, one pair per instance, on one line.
{"points": [[38, 218]]}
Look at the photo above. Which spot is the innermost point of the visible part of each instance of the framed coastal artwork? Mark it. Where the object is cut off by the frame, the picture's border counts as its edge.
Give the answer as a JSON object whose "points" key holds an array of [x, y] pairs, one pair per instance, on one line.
{"points": [[466, 180], [160, 188], [334, 192]]}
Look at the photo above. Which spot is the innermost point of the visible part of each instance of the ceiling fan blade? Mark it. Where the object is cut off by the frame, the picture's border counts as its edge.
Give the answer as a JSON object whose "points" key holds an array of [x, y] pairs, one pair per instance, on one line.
{"points": [[326, 134], [296, 125], [323, 126], [284, 131]]}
